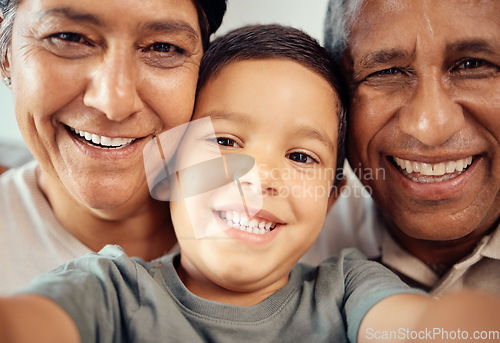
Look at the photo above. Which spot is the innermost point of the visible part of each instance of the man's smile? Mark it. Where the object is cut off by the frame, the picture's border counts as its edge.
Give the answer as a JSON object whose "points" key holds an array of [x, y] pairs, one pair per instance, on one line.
{"points": [[423, 172]]}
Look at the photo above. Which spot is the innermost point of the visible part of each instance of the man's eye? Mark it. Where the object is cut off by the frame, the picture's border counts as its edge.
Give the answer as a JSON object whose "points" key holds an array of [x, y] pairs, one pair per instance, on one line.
{"points": [[472, 68], [226, 142], [386, 76], [471, 64], [388, 71], [300, 157]]}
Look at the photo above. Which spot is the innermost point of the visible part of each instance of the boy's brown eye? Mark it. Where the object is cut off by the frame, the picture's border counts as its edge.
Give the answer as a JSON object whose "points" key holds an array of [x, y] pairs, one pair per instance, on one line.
{"points": [[301, 158], [226, 141]]}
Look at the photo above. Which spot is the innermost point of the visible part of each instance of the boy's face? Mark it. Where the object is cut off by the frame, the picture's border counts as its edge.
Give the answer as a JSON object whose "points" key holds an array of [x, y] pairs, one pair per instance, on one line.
{"points": [[285, 117]]}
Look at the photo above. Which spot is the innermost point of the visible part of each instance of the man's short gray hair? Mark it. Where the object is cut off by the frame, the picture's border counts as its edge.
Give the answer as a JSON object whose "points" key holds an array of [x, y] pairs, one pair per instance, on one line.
{"points": [[340, 16]]}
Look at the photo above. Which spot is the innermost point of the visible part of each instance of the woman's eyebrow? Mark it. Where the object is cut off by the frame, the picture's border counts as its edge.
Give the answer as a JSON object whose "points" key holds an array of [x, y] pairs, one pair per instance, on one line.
{"points": [[167, 25], [72, 14], [170, 25]]}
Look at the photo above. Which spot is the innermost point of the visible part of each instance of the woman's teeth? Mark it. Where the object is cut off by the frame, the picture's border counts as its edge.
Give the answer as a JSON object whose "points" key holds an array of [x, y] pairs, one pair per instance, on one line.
{"points": [[432, 172], [242, 222], [104, 141]]}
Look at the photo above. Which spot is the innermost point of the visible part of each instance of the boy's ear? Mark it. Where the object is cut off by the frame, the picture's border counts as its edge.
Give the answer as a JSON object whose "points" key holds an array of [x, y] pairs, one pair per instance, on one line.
{"points": [[335, 192]]}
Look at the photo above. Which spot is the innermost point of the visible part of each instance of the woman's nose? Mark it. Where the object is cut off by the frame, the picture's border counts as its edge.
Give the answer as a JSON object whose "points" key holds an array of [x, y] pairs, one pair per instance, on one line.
{"points": [[113, 85], [431, 116]]}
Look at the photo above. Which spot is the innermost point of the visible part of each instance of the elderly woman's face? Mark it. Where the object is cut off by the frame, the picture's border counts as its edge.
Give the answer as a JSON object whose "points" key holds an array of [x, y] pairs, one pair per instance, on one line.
{"points": [[94, 80]]}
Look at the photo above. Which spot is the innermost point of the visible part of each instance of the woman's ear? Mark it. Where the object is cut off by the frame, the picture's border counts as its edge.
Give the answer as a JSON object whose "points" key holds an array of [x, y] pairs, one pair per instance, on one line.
{"points": [[5, 72], [335, 192]]}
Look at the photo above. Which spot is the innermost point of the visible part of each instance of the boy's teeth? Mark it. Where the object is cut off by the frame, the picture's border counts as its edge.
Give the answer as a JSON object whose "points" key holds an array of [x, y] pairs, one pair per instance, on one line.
{"points": [[420, 171], [103, 140], [242, 222]]}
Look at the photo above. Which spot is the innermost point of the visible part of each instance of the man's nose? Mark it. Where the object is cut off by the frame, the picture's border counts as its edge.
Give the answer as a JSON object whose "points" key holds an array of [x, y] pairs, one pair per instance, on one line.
{"points": [[431, 115], [113, 85]]}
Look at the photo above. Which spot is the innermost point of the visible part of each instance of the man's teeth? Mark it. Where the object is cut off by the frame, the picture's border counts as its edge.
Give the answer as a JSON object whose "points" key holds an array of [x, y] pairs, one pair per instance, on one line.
{"points": [[421, 171], [103, 140], [242, 222]]}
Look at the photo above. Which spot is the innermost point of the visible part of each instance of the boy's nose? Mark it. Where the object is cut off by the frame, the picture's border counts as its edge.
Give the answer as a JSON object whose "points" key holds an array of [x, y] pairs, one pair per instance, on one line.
{"points": [[431, 116], [113, 86], [264, 179]]}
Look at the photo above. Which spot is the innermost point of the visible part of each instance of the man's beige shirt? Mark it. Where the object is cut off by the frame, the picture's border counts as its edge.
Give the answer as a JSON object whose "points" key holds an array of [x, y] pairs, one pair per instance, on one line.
{"points": [[480, 270]]}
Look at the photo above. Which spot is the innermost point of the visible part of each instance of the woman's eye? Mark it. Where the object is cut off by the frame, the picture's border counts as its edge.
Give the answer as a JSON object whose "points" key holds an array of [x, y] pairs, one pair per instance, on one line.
{"points": [[70, 45], [300, 157], [164, 55], [163, 48], [69, 37], [227, 142]]}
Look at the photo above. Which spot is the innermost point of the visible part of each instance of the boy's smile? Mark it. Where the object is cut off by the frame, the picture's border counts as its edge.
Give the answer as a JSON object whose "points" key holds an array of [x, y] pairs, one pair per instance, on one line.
{"points": [[284, 116]]}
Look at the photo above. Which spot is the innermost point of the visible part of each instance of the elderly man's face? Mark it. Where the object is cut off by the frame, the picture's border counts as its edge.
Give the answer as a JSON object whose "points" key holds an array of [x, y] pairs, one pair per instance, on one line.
{"points": [[425, 121]]}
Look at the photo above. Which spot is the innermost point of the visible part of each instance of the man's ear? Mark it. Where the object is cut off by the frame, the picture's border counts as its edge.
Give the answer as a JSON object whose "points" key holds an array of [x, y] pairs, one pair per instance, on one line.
{"points": [[335, 192]]}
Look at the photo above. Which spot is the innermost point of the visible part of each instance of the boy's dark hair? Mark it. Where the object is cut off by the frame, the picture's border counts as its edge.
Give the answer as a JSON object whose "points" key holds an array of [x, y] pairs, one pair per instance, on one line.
{"points": [[276, 41]]}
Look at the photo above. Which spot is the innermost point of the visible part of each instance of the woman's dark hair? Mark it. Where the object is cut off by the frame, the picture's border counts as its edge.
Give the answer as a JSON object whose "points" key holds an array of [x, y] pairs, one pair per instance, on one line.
{"points": [[276, 41]]}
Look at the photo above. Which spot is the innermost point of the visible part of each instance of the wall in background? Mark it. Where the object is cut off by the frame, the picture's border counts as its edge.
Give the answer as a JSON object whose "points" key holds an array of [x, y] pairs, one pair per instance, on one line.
{"points": [[304, 14]]}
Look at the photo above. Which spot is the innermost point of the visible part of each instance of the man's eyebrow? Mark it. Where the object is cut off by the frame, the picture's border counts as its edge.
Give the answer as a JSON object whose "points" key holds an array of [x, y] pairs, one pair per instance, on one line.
{"points": [[378, 57], [310, 132], [72, 14], [474, 45]]}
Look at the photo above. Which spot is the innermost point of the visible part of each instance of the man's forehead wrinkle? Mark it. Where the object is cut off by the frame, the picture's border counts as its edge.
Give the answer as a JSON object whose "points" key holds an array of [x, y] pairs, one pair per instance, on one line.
{"points": [[428, 20]]}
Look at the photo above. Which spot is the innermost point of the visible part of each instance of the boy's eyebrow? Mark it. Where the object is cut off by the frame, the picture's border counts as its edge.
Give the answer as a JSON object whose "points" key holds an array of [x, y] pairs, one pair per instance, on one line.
{"points": [[310, 132], [303, 131], [235, 116]]}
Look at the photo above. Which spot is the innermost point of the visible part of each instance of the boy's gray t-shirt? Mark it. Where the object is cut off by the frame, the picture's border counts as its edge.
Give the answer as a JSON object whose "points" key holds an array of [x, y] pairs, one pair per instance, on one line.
{"points": [[113, 298]]}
